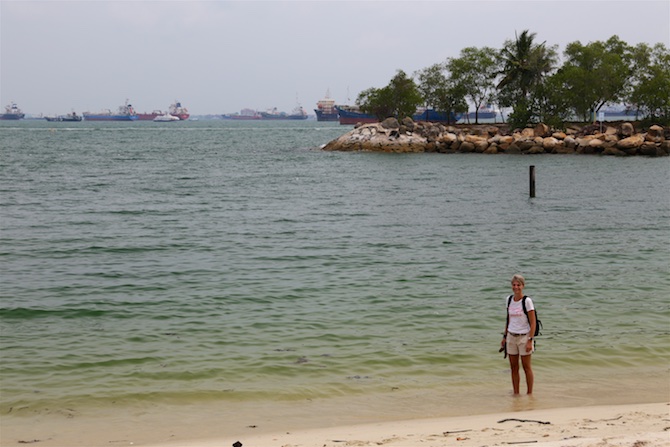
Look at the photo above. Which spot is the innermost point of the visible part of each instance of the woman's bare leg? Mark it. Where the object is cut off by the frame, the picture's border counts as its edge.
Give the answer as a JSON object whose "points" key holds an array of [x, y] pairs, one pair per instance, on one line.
{"points": [[514, 365], [528, 371]]}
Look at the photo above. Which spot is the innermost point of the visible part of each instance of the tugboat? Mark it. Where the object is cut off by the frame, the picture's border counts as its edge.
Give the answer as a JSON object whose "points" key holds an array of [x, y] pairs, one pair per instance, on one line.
{"points": [[12, 112], [166, 118]]}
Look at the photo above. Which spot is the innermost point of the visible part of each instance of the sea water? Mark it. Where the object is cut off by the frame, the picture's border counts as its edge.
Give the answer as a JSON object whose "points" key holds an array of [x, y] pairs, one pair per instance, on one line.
{"points": [[225, 264]]}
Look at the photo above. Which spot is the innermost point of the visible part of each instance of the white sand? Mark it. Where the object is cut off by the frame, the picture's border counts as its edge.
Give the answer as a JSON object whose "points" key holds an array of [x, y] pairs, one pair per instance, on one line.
{"points": [[637, 425]]}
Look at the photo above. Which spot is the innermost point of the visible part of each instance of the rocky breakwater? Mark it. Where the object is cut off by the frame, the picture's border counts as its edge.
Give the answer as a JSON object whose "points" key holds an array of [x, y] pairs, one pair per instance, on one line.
{"points": [[409, 136]]}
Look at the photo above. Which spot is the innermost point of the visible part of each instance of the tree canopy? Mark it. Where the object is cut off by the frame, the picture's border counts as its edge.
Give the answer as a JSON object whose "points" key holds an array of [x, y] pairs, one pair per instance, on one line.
{"points": [[524, 75], [400, 98]]}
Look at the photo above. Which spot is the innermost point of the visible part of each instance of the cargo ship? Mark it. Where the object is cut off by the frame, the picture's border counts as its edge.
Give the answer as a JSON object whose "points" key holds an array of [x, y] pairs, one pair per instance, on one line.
{"points": [[325, 109], [353, 115], [297, 114], [485, 112], [12, 112], [70, 117], [149, 116], [244, 115], [124, 113], [175, 109]]}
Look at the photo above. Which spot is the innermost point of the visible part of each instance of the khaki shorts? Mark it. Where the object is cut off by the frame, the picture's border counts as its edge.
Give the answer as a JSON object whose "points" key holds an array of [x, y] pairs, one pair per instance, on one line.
{"points": [[516, 345]]}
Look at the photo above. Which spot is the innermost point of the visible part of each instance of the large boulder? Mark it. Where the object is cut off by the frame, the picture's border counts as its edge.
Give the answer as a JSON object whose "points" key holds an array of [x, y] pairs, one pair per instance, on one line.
{"points": [[651, 150], [542, 130], [655, 134], [549, 144], [626, 130], [634, 141], [390, 123], [665, 146], [466, 147], [614, 151]]}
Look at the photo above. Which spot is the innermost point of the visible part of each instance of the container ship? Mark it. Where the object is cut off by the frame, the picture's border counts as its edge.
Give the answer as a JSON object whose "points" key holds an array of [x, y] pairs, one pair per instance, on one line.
{"points": [[125, 113], [12, 112], [325, 109], [175, 109]]}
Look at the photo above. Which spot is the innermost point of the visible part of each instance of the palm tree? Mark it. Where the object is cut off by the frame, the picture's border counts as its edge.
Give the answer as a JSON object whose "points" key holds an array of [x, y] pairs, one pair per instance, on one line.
{"points": [[525, 64]]}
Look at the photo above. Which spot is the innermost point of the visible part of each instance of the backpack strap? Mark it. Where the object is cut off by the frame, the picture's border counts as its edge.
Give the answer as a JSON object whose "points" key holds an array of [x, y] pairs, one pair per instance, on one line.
{"points": [[509, 300]]}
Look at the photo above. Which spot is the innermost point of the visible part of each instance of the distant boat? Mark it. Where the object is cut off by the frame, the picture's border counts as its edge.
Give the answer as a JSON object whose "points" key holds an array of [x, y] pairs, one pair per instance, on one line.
{"points": [[12, 112], [297, 114], [70, 117], [485, 112], [166, 118], [353, 115], [175, 109], [325, 109], [124, 113], [244, 115], [621, 111], [181, 112], [149, 116]]}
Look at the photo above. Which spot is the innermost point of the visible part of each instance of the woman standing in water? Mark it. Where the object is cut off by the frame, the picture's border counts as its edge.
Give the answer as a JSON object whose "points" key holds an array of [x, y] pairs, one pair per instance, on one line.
{"points": [[518, 334]]}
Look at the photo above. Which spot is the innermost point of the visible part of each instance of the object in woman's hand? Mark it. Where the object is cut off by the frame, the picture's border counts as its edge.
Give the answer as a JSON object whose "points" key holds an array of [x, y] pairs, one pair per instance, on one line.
{"points": [[504, 348]]}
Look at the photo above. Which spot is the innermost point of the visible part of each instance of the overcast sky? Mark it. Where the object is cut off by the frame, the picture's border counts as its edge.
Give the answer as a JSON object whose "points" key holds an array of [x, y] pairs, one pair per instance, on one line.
{"points": [[222, 56]]}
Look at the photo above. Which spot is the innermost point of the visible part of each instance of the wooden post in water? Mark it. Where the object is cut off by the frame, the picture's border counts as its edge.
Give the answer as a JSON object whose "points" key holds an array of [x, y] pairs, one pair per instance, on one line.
{"points": [[532, 181]]}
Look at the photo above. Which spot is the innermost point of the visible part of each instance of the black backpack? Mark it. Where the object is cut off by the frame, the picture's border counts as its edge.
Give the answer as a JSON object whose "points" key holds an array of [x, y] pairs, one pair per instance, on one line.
{"points": [[538, 323]]}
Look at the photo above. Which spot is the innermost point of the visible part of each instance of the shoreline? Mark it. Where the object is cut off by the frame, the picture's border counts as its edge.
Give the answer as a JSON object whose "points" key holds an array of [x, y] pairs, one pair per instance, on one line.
{"points": [[409, 137], [409, 420], [629, 425]]}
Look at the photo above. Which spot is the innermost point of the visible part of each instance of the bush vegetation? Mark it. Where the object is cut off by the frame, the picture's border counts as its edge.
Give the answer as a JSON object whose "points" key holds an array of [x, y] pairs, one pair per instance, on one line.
{"points": [[525, 76]]}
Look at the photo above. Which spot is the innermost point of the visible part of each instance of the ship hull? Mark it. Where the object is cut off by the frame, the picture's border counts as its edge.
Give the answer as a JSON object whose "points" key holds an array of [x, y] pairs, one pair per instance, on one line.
{"points": [[352, 117], [147, 116], [69, 119], [241, 117], [349, 117], [283, 117], [323, 116], [153, 116], [482, 115], [12, 116], [93, 117]]}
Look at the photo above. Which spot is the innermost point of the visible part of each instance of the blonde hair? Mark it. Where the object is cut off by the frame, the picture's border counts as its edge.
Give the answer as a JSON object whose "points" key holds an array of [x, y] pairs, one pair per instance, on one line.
{"points": [[519, 279]]}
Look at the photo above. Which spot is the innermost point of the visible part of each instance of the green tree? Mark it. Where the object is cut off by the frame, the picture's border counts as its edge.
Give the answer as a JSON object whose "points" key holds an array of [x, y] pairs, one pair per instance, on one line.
{"points": [[596, 74], [439, 92], [650, 90], [550, 102], [525, 66], [400, 98], [475, 72]]}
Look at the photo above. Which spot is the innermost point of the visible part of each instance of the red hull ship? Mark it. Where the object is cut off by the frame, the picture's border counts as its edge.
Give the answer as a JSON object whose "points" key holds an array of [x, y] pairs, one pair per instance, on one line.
{"points": [[175, 109]]}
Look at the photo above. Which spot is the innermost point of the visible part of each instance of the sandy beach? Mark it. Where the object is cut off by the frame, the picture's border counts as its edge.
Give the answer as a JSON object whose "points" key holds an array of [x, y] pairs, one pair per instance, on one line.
{"points": [[637, 425]]}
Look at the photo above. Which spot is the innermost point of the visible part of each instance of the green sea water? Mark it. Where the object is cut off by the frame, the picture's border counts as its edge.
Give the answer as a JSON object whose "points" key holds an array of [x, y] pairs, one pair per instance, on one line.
{"points": [[216, 263]]}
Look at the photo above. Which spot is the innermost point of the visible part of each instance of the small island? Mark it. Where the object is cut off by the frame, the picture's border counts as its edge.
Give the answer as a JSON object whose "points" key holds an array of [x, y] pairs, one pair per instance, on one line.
{"points": [[616, 139]]}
